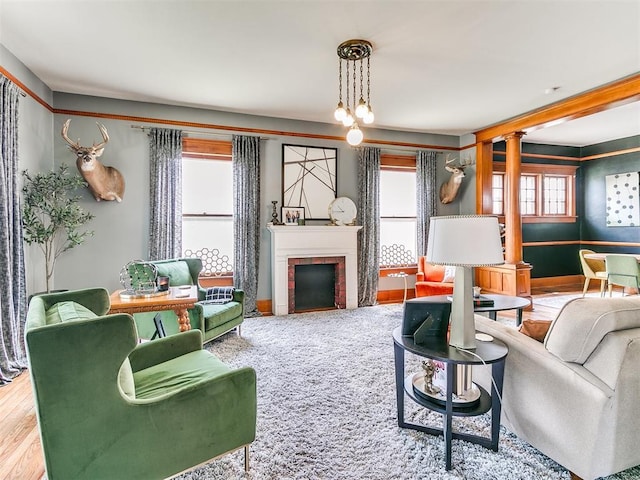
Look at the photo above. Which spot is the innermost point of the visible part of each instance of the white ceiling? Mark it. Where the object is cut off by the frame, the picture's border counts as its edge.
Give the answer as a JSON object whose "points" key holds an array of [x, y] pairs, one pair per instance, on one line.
{"points": [[438, 66]]}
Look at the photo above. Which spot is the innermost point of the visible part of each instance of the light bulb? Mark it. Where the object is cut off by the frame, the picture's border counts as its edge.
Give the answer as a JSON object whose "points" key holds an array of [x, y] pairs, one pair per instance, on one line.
{"points": [[340, 112], [369, 117], [355, 136], [348, 119], [361, 109]]}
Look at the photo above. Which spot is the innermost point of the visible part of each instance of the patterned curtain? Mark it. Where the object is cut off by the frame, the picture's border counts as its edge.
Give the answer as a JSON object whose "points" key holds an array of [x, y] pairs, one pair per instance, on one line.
{"points": [[369, 218], [246, 218], [427, 197], [165, 226], [13, 302]]}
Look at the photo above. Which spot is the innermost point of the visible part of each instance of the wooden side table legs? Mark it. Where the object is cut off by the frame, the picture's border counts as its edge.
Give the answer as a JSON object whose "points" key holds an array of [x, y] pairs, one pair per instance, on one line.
{"points": [[184, 324]]}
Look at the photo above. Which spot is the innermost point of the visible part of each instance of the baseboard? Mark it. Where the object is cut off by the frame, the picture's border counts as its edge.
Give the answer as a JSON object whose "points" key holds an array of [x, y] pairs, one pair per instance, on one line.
{"points": [[555, 281], [394, 296], [384, 296], [264, 307]]}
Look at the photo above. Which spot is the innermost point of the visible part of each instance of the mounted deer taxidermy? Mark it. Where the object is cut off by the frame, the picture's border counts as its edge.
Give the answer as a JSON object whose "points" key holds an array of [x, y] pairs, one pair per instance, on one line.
{"points": [[105, 183], [449, 189]]}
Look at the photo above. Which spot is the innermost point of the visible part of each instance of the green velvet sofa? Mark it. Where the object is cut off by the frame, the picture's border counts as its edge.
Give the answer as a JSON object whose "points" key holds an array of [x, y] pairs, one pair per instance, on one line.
{"points": [[211, 320], [110, 408]]}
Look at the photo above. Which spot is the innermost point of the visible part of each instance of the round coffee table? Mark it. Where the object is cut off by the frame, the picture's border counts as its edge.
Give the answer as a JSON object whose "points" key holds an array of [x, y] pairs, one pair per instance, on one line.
{"points": [[500, 303]]}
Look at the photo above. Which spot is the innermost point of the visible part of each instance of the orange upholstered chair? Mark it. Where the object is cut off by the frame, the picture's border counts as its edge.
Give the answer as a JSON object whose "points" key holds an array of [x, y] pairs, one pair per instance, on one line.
{"points": [[429, 280]]}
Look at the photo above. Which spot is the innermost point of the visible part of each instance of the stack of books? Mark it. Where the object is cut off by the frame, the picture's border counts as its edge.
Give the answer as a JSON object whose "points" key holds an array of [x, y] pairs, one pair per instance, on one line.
{"points": [[480, 301]]}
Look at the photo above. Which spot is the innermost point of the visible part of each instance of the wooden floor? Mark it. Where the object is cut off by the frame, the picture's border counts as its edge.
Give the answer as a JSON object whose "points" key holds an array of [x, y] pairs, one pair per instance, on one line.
{"points": [[20, 453]]}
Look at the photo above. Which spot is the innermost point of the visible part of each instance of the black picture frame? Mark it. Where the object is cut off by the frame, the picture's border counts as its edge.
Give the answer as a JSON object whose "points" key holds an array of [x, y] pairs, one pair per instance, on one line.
{"points": [[309, 179]]}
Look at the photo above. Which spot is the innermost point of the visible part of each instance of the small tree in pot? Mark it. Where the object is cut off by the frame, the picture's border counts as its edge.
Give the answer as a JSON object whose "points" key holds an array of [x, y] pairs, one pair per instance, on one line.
{"points": [[51, 214]]}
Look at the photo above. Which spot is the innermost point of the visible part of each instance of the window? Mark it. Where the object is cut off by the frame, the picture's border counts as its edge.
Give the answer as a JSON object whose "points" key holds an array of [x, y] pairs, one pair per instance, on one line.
{"points": [[528, 194], [207, 205], [555, 195], [547, 192], [397, 211]]}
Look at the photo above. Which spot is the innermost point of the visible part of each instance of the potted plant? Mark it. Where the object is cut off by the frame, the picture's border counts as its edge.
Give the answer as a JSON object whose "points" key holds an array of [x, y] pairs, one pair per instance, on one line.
{"points": [[51, 214]]}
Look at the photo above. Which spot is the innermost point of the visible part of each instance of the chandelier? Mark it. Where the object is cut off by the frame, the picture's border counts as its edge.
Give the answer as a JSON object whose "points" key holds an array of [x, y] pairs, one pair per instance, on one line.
{"points": [[353, 53]]}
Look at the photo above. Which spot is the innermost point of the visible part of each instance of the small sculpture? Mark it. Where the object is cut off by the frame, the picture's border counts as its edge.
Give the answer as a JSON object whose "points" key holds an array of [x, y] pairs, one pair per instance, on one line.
{"points": [[274, 215], [430, 370]]}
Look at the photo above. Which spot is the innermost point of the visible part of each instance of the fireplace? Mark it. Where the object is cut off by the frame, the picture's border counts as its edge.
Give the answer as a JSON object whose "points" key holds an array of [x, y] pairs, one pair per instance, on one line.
{"points": [[313, 245], [316, 283]]}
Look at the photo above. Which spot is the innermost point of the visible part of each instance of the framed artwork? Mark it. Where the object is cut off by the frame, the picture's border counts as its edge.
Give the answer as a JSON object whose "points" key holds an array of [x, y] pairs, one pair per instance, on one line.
{"points": [[293, 216], [309, 179], [623, 205]]}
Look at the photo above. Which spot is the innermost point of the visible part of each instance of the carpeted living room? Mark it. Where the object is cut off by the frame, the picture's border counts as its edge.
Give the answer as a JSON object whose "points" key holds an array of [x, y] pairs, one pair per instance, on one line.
{"points": [[219, 263]]}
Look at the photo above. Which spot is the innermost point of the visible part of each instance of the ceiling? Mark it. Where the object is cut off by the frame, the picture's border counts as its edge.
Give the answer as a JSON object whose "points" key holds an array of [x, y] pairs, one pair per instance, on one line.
{"points": [[438, 66]]}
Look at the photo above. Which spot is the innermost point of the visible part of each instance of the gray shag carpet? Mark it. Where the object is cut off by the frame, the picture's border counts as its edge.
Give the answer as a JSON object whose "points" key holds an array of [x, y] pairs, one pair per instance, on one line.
{"points": [[327, 408]]}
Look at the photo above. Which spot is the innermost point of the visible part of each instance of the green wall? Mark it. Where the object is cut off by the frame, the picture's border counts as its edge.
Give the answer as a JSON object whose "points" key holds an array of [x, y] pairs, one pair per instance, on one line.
{"points": [[559, 260], [593, 176]]}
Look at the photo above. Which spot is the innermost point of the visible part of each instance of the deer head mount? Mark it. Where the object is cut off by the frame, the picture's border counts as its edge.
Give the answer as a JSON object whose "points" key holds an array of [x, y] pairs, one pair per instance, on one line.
{"points": [[449, 189], [105, 183]]}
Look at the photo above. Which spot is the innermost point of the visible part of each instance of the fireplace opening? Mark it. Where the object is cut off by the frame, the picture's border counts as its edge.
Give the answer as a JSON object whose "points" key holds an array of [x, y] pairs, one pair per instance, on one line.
{"points": [[315, 287]]}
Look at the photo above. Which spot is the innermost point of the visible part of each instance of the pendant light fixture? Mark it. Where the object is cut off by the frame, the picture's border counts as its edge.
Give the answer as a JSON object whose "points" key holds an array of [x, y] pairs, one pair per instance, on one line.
{"points": [[353, 53]]}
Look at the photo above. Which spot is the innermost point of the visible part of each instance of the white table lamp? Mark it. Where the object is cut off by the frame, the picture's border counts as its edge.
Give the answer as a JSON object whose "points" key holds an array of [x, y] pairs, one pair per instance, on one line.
{"points": [[464, 241]]}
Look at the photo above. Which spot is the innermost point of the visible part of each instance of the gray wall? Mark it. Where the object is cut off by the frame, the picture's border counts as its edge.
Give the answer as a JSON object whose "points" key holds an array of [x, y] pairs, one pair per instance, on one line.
{"points": [[121, 230], [35, 148]]}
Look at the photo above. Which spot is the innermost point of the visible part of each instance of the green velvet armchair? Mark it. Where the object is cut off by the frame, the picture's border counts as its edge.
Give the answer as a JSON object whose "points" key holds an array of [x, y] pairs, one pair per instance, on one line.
{"points": [[211, 320], [109, 408]]}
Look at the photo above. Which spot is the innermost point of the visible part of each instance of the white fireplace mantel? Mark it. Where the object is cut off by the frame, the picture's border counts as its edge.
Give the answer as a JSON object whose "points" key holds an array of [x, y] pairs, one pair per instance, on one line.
{"points": [[311, 241]]}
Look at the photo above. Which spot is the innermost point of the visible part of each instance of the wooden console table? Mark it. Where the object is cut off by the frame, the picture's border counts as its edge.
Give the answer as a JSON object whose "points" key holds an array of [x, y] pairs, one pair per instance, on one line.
{"points": [[178, 299]]}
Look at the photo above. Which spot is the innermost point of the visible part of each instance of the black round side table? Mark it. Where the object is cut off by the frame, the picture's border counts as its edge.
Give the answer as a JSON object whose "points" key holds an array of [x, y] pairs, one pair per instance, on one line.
{"points": [[492, 353]]}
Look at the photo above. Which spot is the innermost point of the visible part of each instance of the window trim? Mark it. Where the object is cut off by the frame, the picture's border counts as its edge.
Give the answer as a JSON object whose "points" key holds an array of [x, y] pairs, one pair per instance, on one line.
{"points": [[207, 149], [540, 171], [398, 163]]}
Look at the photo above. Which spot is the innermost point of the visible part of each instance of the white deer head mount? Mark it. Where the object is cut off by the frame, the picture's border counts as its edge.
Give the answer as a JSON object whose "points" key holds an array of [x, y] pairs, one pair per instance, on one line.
{"points": [[449, 189]]}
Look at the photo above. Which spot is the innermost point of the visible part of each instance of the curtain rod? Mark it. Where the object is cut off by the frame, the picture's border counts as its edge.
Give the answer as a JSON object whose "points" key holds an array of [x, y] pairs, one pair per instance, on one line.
{"points": [[194, 132]]}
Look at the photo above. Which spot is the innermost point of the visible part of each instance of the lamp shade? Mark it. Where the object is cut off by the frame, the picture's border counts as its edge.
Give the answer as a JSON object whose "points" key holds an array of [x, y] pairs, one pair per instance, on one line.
{"points": [[464, 240]]}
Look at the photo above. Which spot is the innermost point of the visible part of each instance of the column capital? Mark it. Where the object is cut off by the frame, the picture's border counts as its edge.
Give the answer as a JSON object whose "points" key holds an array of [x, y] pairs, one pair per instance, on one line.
{"points": [[514, 135]]}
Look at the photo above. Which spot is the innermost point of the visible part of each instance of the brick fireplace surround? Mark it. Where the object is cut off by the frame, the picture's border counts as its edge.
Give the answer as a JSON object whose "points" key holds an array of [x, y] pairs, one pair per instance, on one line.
{"points": [[300, 245], [340, 286]]}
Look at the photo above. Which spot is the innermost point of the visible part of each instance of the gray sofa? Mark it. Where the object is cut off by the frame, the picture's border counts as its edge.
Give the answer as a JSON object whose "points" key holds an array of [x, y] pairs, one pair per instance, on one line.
{"points": [[576, 396]]}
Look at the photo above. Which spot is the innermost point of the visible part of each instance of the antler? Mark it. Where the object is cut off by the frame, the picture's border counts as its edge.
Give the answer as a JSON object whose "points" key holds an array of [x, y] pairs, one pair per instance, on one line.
{"points": [[65, 129], [447, 164], [448, 160], [76, 145], [105, 136]]}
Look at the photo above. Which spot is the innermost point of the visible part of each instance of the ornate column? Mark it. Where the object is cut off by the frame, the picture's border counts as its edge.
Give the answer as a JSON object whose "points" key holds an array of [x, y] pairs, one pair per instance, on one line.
{"points": [[512, 220], [514, 277]]}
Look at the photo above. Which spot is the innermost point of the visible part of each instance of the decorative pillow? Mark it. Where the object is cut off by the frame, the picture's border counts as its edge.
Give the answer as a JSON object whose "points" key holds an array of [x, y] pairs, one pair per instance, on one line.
{"points": [[536, 329], [178, 272], [218, 295], [449, 274], [67, 311], [432, 272]]}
